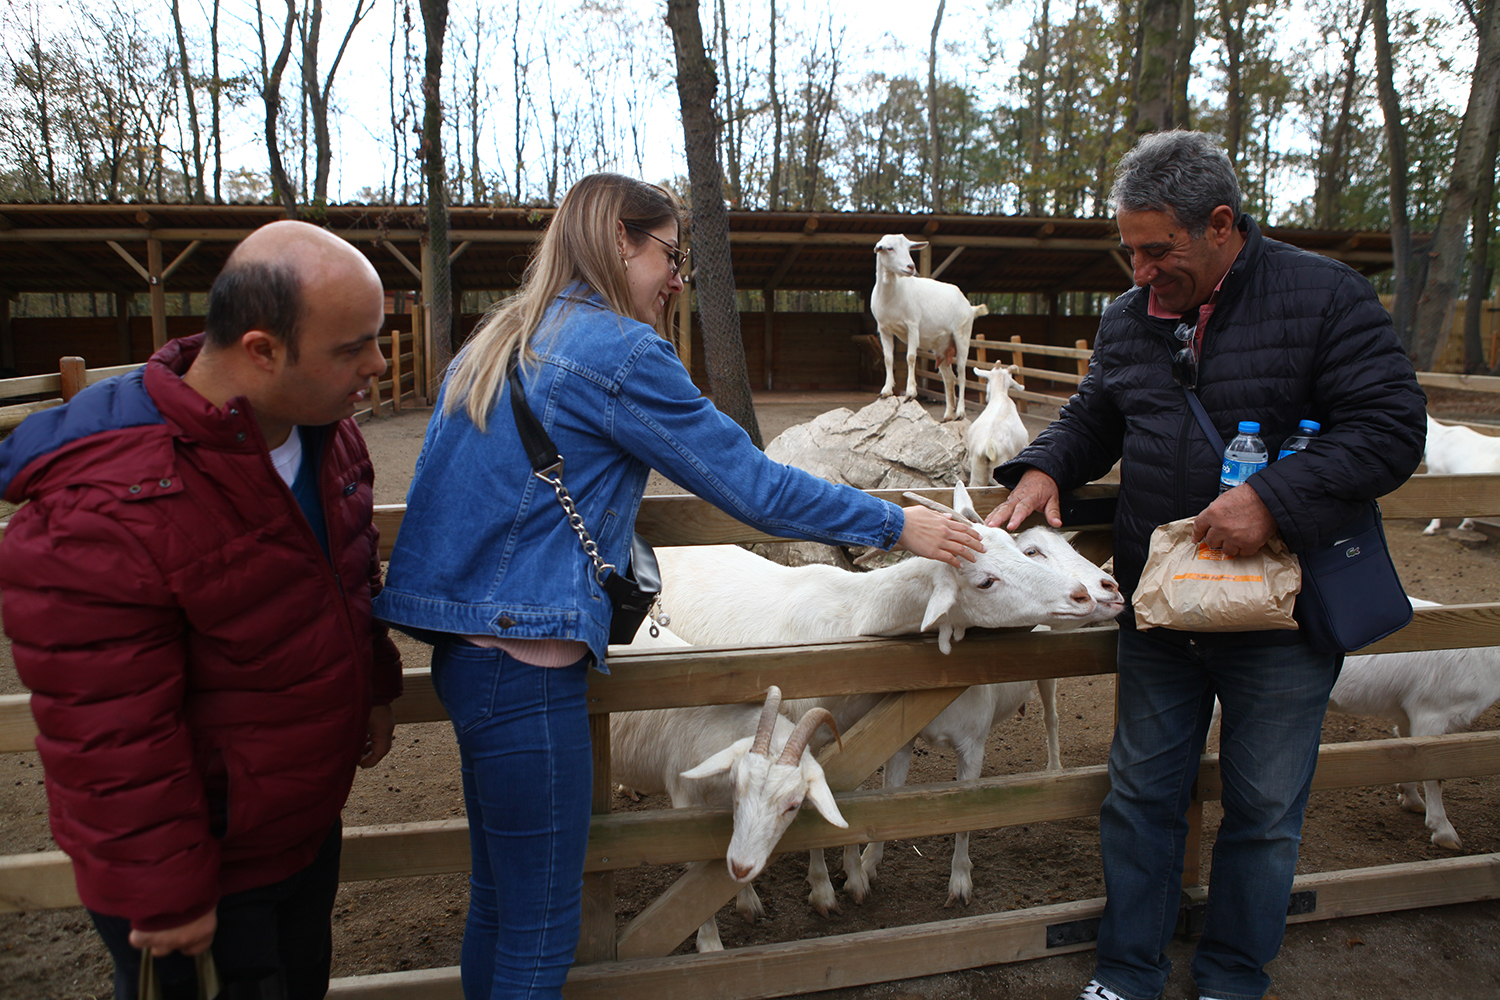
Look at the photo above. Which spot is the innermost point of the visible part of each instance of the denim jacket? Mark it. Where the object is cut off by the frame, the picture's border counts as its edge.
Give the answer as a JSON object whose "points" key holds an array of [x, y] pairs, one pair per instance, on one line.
{"points": [[485, 547]]}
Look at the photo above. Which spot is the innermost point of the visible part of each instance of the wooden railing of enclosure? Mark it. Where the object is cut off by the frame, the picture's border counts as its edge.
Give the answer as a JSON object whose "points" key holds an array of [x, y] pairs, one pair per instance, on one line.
{"points": [[920, 682], [399, 347], [1012, 352]]}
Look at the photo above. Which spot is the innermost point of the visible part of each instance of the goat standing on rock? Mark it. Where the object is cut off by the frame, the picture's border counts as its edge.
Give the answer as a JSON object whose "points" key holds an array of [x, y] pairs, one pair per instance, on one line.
{"points": [[926, 315]]}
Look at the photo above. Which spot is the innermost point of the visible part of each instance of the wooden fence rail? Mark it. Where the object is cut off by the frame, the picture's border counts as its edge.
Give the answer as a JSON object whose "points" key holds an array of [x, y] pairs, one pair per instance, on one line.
{"points": [[634, 962]]}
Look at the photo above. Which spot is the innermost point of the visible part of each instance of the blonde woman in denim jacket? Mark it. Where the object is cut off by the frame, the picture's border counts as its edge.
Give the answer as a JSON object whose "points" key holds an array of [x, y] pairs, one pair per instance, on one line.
{"points": [[487, 568]]}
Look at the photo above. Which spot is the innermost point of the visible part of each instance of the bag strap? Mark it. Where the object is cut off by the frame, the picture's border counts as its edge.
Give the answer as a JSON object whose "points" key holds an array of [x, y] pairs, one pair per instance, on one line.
{"points": [[1208, 426], [547, 465]]}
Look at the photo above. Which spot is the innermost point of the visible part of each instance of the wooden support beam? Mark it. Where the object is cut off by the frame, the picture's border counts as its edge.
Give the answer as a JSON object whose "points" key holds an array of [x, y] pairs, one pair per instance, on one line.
{"points": [[129, 258], [180, 259], [458, 251], [952, 256], [416, 272], [782, 267], [158, 294], [924, 262], [768, 350], [1119, 258]]}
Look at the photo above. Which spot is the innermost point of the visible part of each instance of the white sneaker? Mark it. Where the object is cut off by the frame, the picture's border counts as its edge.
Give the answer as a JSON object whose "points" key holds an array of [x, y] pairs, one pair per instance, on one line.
{"points": [[1096, 990]]}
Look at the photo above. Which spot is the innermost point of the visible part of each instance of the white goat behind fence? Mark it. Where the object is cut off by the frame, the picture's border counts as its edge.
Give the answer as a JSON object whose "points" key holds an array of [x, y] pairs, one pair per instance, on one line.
{"points": [[1461, 451], [748, 757], [925, 315], [723, 594], [965, 725], [1425, 692], [997, 435]]}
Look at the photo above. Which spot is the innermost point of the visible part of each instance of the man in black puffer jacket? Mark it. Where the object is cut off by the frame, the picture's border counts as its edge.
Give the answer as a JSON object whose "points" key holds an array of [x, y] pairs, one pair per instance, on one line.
{"points": [[1270, 333]]}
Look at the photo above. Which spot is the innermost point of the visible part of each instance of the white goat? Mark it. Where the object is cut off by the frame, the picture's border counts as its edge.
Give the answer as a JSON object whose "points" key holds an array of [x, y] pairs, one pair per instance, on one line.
{"points": [[1427, 692], [925, 314], [997, 435], [721, 755], [965, 725], [723, 594], [1458, 450]]}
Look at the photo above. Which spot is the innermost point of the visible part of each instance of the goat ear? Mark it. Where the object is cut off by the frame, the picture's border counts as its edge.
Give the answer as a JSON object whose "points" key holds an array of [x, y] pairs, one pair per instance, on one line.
{"points": [[964, 506], [721, 761], [821, 796], [918, 246], [944, 596]]}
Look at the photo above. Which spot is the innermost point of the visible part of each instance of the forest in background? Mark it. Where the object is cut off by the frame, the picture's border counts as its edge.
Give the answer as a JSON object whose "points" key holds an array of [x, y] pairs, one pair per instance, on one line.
{"points": [[1332, 110]]}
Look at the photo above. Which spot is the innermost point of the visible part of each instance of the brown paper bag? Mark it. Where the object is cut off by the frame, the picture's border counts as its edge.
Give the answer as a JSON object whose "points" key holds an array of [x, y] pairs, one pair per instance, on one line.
{"points": [[1196, 589]]}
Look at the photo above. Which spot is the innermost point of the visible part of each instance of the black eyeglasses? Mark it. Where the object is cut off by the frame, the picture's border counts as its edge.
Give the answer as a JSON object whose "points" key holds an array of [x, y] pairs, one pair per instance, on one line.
{"points": [[1185, 361], [677, 259]]}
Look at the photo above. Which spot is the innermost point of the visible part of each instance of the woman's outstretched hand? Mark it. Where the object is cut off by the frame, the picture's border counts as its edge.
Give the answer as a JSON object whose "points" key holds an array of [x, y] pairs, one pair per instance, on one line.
{"points": [[937, 536]]}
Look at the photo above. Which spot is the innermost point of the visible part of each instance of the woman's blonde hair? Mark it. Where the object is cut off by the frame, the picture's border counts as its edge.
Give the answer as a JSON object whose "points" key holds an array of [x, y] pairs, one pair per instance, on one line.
{"points": [[580, 244]]}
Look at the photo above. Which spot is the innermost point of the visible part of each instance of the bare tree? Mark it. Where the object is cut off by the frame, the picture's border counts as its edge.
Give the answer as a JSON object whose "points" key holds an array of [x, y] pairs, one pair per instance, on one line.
{"points": [[1480, 272], [1404, 281], [713, 275], [271, 73], [773, 201], [196, 191], [1332, 167], [440, 286], [933, 153], [316, 91], [1447, 251]]}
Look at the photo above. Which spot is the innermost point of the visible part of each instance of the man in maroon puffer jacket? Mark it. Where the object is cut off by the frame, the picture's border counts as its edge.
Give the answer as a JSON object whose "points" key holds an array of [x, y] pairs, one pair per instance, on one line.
{"points": [[188, 594]]}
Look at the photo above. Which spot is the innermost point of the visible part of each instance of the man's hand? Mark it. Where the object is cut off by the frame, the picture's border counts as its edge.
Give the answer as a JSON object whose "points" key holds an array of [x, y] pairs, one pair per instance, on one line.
{"points": [[1238, 522], [192, 938], [1036, 491], [937, 536], [378, 736]]}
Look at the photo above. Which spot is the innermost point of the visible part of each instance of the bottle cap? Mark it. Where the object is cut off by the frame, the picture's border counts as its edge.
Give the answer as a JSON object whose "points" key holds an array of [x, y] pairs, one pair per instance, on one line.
{"points": [[1249, 426], [1310, 425]]}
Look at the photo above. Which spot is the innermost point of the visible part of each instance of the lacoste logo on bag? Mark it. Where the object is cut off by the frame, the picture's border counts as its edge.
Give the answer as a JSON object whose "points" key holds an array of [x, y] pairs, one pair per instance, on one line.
{"points": [[1351, 552]]}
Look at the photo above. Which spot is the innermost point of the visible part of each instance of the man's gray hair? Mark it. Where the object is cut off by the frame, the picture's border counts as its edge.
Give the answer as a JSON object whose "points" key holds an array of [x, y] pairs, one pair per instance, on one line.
{"points": [[1183, 173]]}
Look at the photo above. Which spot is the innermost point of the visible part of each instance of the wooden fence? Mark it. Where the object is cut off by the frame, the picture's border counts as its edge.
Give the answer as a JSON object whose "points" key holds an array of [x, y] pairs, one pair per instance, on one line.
{"points": [[919, 682], [399, 347]]}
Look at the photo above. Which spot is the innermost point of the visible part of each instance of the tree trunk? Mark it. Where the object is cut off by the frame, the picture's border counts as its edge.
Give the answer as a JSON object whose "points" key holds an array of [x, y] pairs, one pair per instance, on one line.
{"points": [[1332, 169], [270, 94], [217, 94], [713, 274], [439, 291], [773, 199], [1446, 251], [1154, 85], [1187, 40], [1479, 260], [1038, 155], [933, 159], [318, 92], [1403, 306], [1232, 24], [196, 189]]}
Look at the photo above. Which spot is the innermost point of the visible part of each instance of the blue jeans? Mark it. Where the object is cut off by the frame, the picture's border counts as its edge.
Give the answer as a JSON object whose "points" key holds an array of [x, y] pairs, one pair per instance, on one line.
{"points": [[1273, 698], [523, 741]]}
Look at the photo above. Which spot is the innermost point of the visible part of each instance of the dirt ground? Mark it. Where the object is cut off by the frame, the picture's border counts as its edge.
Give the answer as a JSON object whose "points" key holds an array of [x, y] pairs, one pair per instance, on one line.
{"points": [[1451, 952]]}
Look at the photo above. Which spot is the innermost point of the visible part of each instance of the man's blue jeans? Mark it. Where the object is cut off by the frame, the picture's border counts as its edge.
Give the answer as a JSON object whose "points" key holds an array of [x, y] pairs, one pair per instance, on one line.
{"points": [[523, 740], [1274, 699]]}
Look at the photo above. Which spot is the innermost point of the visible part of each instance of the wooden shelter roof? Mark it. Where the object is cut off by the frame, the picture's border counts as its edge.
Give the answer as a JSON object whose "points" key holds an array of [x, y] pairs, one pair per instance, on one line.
{"points": [[103, 248]]}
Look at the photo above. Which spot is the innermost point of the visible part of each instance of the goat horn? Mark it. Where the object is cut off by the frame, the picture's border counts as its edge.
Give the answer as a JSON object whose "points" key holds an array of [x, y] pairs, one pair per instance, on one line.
{"points": [[797, 742], [767, 722], [933, 504]]}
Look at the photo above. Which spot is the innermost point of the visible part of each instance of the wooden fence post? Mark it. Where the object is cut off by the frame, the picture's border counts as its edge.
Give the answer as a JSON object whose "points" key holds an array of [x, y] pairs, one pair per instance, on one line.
{"points": [[74, 374], [395, 369], [1083, 363], [1015, 359], [158, 295]]}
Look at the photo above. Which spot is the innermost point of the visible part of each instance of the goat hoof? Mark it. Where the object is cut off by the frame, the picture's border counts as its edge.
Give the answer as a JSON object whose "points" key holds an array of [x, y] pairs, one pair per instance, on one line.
{"points": [[1448, 839]]}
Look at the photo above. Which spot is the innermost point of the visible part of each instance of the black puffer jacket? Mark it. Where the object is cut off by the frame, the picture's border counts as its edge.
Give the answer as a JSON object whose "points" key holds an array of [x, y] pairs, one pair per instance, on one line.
{"points": [[1295, 335]]}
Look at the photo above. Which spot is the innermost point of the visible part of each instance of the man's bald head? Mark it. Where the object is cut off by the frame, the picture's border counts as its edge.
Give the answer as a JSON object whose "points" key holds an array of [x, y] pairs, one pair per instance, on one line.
{"points": [[267, 277]]}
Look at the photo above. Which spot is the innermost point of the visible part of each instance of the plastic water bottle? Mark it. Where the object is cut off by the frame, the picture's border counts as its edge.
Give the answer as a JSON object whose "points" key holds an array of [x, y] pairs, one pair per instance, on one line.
{"points": [[1245, 456], [1306, 431]]}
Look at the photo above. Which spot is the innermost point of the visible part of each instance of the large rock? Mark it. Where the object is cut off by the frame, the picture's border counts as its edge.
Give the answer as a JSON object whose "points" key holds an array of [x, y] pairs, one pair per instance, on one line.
{"points": [[890, 444]]}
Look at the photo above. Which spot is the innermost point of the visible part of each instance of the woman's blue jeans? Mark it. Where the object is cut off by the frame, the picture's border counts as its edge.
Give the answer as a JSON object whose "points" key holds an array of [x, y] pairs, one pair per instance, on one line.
{"points": [[523, 740], [1274, 699]]}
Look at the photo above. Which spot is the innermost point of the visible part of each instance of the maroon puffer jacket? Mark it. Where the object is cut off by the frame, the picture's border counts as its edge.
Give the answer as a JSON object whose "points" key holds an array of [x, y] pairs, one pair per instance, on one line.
{"points": [[201, 675]]}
